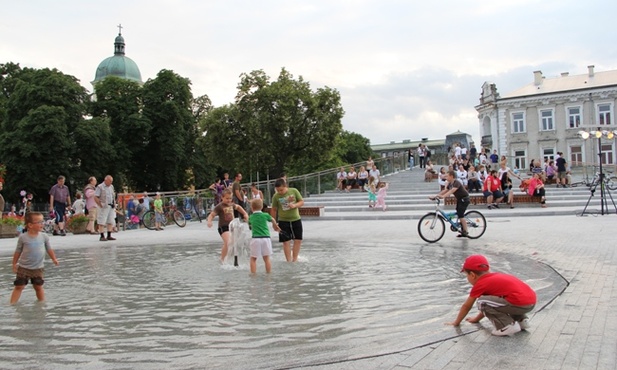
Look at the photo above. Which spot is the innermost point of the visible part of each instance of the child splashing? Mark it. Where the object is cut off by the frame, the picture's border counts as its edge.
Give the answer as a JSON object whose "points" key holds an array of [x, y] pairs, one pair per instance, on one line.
{"points": [[381, 196]]}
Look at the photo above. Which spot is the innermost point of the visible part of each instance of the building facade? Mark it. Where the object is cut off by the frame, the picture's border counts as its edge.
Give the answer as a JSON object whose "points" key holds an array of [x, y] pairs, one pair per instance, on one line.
{"points": [[545, 117]]}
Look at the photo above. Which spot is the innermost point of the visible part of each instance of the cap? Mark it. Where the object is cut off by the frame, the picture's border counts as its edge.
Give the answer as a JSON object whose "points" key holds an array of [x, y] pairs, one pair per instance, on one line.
{"points": [[476, 262]]}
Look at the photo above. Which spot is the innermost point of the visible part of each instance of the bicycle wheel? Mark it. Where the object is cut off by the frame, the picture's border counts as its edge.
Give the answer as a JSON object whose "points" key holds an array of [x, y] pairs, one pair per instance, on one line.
{"points": [[179, 218], [476, 224], [149, 220], [611, 182], [431, 227]]}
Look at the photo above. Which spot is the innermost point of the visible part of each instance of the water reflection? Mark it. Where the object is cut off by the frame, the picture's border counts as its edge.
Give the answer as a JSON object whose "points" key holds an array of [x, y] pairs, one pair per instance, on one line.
{"points": [[175, 306]]}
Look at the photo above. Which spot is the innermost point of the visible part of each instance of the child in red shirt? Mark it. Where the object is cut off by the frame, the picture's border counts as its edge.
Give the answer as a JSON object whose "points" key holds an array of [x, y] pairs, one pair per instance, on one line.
{"points": [[503, 299]]}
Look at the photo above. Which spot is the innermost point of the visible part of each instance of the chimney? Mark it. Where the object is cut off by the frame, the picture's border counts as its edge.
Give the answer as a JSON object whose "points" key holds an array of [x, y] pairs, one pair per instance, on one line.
{"points": [[590, 68], [565, 74], [537, 78]]}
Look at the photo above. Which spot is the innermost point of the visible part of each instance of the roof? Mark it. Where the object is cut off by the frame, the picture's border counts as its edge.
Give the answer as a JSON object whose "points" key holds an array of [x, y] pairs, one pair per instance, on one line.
{"points": [[407, 144], [119, 66], [565, 83]]}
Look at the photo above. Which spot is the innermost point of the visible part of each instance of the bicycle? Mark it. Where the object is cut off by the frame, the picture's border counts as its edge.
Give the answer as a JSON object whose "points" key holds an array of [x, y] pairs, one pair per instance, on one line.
{"points": [[432, 226], [610, 180], [172, 213]]}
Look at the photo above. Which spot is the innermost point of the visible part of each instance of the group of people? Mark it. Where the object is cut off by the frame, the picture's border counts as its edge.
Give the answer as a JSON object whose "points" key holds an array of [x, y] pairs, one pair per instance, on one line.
{"points": [[552, 170], [367, 180], [494, 183], [287, 222]]}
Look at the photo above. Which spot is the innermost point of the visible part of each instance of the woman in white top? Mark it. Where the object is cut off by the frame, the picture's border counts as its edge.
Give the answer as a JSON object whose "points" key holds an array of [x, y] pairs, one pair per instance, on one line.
{"points": [[443, 178], [362, 178], [351, 178], [461, 175]]}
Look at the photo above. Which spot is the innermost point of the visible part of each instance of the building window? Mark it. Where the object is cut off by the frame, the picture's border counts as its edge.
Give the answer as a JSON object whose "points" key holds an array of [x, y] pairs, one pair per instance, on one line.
{"points": [[574, 117], [604, 114], [576, 155], [607, 154], [547, 120], [548, 153], [520, 159], [518, 122]]}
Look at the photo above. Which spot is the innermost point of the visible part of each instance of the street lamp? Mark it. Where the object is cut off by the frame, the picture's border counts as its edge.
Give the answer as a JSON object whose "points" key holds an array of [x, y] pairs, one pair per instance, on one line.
{"points": [[598, 134]]}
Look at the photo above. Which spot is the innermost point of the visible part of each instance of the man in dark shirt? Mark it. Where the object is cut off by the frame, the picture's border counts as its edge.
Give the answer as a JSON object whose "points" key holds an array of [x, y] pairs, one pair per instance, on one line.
{"points": [[561, 170], [456, 188]]}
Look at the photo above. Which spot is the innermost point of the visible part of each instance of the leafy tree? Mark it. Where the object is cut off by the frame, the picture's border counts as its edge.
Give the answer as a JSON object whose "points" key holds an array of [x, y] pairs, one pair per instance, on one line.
{"points": [[41, 109], [119, 102], [93, 152], [275, 126], [353, 147], [168, 157]]}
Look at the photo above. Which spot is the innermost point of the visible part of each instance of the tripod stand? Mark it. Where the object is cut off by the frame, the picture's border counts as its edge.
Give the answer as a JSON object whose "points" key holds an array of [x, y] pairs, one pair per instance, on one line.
{"points": [[604, 189]]}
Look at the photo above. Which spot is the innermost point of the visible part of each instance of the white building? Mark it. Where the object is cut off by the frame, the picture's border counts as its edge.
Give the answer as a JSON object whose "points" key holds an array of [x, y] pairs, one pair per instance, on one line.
{"points": [[544, 117]]}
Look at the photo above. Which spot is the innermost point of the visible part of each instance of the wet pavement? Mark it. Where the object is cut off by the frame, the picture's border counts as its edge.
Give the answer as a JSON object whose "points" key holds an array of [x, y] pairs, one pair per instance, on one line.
{"points": [[365, 295]]}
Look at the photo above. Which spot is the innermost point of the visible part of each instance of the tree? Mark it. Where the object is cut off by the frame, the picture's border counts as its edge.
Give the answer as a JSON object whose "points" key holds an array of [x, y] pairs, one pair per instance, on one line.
{"points": [[41, 109], [275, 126], [119, 103], [354, 148], [168, 156]]}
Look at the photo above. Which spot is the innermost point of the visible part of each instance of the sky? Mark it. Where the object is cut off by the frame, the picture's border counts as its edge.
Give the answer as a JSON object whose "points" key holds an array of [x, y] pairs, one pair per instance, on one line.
{"points": [[405, 69]]}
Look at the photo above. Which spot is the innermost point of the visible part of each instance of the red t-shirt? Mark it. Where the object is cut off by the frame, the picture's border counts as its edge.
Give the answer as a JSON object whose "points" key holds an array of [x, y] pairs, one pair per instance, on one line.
{"points": [[494, 182], [506, 286]]}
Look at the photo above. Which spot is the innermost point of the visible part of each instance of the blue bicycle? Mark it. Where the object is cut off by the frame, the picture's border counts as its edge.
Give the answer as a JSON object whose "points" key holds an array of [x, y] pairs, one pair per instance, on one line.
{"points": [[432, 226]]}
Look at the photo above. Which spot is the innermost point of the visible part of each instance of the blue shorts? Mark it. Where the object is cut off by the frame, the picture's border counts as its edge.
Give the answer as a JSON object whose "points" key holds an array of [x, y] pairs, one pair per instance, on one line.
{"points": [[59, 210], [496, 194]]}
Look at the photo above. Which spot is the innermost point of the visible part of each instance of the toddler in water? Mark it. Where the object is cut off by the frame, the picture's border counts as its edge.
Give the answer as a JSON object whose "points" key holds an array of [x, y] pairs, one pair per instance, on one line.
{"points": [[372, 191], [381, 196]]}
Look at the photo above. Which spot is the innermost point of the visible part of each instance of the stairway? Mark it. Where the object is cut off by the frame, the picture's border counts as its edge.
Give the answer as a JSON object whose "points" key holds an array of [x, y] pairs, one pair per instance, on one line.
{"points": [[408, 199]]}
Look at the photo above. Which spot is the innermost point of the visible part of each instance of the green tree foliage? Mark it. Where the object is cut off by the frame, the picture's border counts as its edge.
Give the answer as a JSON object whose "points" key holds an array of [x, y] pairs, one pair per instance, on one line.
{"points": [[354, 148], [41, 109], [94, 150], [275, 126], [118, 101], [168, 157]]}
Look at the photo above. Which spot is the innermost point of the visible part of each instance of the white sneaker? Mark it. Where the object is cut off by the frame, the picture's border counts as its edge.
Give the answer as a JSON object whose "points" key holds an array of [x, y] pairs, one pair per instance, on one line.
{"points": [[508, 330], [524, 324]]}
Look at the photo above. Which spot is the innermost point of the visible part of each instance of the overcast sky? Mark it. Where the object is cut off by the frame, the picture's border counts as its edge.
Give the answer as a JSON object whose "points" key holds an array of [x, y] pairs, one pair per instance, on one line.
{"points": [[405, 69]]}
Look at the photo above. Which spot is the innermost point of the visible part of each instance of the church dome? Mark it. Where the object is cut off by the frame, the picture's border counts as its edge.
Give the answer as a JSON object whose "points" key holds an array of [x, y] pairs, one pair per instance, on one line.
{"points": [[118, 65]]}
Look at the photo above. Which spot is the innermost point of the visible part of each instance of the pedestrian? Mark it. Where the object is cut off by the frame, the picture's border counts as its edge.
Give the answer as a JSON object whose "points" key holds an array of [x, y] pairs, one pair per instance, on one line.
{"points": [[561, 170], [503, 299], [261, 243], [59, 200], [1, 200], [79, 205], [421, 154], [106, 214], [225, 212], [91, 205], [286, 202], [159, 215], [238, 194], [29, 257], [372, 192], [456, 188]]}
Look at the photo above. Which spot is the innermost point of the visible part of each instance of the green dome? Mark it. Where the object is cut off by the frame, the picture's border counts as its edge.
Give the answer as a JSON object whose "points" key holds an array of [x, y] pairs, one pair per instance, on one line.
{"points": [[118, 65]]}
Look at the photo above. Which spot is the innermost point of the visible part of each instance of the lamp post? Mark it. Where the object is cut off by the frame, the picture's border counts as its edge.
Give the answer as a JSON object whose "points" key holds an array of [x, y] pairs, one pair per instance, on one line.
{"points": [[598, 134]]}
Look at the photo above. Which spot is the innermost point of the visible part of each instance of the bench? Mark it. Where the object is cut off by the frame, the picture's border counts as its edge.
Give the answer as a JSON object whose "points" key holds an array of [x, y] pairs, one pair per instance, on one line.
{"points": [[314, 211], [480, 199]]}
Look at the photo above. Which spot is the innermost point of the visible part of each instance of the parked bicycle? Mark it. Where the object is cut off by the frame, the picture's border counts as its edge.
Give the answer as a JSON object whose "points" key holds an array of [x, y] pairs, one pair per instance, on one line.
{"points": [[610, 180], [171, 213], [432, 226]]}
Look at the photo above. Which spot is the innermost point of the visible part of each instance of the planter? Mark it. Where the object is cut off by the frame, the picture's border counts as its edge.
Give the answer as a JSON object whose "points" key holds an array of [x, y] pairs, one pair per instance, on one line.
{"points": [[79, 228], [8, 231]]}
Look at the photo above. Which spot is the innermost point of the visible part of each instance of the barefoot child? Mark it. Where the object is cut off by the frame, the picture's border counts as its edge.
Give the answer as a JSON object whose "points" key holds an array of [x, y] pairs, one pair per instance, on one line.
{"points": [[29, 257], [287, 201], [225, 211], [261, 244]]}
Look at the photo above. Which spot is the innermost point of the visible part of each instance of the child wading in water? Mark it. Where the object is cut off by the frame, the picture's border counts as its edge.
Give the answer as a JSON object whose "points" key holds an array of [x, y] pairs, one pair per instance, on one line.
{"points": [[225, 211], [261, 244], [372, 192], [381, 196], [29, 257]]}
